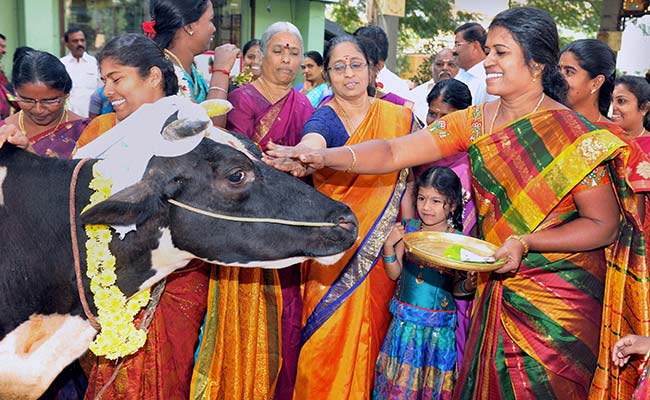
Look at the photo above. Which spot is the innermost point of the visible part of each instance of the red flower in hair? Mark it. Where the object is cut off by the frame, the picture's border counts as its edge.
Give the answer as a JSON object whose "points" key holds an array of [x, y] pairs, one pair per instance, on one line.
{"points": [[149, 29]]}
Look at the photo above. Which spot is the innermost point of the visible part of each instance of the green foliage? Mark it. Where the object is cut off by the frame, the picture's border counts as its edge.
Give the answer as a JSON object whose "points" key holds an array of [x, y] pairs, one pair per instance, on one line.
{"points": [[346, 13], [577, 15]]}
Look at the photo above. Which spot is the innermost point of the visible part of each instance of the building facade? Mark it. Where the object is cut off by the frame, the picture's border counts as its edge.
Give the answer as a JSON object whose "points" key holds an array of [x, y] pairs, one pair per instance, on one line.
{"points": [[40, 23]]}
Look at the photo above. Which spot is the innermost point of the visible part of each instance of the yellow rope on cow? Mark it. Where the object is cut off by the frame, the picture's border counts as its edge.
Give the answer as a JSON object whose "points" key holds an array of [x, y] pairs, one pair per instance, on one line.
{"points": [[248, 219], [118, 336]]}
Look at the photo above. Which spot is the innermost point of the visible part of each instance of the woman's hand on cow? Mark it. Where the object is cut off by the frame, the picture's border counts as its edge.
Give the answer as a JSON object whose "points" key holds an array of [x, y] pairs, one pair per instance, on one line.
{"points": [[512, 251], [290, 159], [11, 134]]}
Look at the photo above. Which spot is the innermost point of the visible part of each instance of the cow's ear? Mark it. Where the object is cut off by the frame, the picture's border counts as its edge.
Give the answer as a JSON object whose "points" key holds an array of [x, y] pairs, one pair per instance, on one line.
{"points": [[130, 206]]}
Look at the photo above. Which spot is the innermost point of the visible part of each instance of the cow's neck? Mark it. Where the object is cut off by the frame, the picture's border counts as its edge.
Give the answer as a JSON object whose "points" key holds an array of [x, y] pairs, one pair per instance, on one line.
{"points": [[145, 256]]}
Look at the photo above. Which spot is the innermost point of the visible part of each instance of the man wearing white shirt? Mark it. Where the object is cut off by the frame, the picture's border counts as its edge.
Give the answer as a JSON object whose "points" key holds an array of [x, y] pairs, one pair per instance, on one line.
{"points": [[444, 67], [386, 79], [83, 69], [469, 47]]}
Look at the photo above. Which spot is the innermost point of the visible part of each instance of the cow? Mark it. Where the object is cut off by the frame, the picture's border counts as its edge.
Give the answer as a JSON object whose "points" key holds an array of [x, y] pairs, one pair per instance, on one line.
{"points": [[43, 327]]}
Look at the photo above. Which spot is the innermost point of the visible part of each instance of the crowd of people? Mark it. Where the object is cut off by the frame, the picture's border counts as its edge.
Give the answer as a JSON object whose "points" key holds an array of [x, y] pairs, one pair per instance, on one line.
{"points": [[542, 151]]}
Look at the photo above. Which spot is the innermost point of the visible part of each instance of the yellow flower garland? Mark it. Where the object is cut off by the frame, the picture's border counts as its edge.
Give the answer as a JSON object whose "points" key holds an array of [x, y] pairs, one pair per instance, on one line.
{"points": [[118, 336]]}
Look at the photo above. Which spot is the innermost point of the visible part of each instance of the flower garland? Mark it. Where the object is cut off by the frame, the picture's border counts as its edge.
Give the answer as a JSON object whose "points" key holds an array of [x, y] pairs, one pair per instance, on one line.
{"points": [[118, 336]]}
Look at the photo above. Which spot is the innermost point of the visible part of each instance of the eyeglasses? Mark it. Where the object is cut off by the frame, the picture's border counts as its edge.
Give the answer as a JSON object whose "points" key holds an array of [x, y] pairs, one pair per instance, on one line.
{"points": [[354, 66], [44, 102], [441, 64]]}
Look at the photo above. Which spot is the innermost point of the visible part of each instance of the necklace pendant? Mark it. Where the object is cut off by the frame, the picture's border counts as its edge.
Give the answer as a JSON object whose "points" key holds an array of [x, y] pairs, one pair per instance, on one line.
{"points": [[419, 279], [443, 303]]}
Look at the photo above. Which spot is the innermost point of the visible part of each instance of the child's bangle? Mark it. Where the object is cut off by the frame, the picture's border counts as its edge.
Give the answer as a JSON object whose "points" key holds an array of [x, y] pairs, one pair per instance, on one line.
{"points": [[463, 289], [219, 89], [389, 259]]}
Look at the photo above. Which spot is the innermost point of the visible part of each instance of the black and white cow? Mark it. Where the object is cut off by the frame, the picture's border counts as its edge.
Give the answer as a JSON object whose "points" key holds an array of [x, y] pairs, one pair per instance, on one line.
{"points": [[42, 325]]}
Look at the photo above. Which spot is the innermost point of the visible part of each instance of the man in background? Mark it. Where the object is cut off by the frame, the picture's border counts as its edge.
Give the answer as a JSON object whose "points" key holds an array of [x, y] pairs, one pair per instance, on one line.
{"points": [[444, 66], [83, 70], [469, 47], [387, 80]]}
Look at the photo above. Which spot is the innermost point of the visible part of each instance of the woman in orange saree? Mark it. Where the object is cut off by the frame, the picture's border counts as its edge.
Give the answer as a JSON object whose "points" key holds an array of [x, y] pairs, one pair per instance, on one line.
{"points": [[345, 305]]}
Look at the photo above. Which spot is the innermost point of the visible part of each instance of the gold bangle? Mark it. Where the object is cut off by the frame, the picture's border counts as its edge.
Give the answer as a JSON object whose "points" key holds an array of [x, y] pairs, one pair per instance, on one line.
{"points": [[354, 159], [523, 242], [219, 88]]}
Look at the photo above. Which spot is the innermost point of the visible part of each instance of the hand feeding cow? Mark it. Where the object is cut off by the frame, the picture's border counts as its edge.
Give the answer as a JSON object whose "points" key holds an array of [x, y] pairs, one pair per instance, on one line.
{"points": [[42, 325]]}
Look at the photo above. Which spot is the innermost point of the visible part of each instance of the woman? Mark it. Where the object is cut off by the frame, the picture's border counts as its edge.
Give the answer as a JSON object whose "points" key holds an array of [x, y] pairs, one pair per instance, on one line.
{"points": [[346, 304], [314, 86], [252, 67], [269, 108], [536, 320], [136, 73], [265, 348], [184, 29], [589, 67], [42, 86]]}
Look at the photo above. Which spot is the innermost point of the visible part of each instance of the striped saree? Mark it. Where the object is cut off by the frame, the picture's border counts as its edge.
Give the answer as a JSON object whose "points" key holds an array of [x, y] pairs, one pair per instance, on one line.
{"points": [[345, 305], [627, 287], [534, 334]]}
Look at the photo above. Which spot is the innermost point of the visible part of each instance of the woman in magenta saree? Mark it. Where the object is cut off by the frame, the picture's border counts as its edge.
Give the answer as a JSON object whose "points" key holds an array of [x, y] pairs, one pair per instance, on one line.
{"points": [[262, 307]]}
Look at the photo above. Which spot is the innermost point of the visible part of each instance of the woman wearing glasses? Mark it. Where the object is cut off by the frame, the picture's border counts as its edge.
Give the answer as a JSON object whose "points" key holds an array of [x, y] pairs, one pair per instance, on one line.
{"points": [[345, 305], [42, 86]]}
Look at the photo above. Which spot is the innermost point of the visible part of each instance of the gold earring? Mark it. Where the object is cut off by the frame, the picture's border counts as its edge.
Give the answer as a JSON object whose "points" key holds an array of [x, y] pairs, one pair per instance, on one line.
{"points": [[534, 77], [592, 91]]}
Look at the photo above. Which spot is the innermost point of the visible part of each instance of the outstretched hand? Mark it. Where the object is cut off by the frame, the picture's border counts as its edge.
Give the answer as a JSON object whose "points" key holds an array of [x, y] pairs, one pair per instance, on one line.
{"points": [[297, 160], [11, 134], [628, 345]]}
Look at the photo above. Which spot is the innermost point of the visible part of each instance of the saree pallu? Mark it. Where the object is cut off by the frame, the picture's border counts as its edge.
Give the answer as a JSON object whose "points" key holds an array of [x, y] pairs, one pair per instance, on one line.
{"points": [[345, 305], [162, 368], [249, 348], [534, 335], [627, 287], [253, 116]]}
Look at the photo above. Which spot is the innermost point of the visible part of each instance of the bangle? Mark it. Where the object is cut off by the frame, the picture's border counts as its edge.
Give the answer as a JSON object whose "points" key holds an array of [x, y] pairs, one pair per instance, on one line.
{"points": [[521, 240], [354, 159], [463, 289], [223, 71], [389, 259], [219, 89]]}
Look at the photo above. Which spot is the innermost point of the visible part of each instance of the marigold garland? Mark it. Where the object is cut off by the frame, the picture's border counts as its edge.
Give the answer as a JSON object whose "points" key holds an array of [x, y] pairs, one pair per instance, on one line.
{"points": [[118, 336]]}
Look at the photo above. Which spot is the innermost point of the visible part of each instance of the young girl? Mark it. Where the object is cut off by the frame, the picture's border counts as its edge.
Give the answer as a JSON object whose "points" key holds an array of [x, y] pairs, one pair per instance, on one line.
{"points": [[418, 357]]}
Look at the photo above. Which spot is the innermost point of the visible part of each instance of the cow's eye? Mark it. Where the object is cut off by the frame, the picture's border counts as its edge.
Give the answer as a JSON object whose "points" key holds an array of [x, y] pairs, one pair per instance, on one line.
{"points": [[237, 176]]}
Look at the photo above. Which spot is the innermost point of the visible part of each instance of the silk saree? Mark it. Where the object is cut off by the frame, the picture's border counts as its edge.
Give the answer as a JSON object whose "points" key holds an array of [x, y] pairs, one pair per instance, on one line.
{"points": [[345, 305], [534, 334]]}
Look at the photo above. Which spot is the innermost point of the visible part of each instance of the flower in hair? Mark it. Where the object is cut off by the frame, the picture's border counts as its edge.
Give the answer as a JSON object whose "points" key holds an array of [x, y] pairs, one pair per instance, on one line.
{"points": [[149, 29]]}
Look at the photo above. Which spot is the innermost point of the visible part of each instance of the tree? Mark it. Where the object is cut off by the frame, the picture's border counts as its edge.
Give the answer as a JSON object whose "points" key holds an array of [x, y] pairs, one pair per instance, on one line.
{"points": [[576, 15]]}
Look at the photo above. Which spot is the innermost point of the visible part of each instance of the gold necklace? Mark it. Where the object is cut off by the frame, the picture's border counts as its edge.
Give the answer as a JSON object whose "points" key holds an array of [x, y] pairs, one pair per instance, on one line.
{"points": [[346, 118], [266, 91], [496, 113], [174, 58], [21, 122], [600, 116]]}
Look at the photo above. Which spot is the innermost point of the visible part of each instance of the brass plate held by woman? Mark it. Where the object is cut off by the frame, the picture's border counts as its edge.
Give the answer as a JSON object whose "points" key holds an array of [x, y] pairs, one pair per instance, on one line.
{"points": [[430, 247]]}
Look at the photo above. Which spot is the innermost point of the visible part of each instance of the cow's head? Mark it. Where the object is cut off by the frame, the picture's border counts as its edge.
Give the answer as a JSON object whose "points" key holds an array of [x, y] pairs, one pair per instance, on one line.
{"points": [[219, 179]]}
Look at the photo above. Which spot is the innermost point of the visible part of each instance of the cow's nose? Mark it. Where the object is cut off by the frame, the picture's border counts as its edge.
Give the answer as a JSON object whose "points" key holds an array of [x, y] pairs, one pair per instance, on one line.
{"points": [[348, 221]]}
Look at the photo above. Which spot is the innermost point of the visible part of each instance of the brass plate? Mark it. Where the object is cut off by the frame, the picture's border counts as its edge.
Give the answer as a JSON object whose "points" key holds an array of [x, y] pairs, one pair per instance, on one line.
{"points": [[430, 247]]}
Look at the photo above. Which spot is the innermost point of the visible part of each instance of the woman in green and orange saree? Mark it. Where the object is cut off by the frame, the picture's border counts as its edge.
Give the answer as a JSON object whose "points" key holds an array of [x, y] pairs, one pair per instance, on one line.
{"points": [[542, 186]]}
